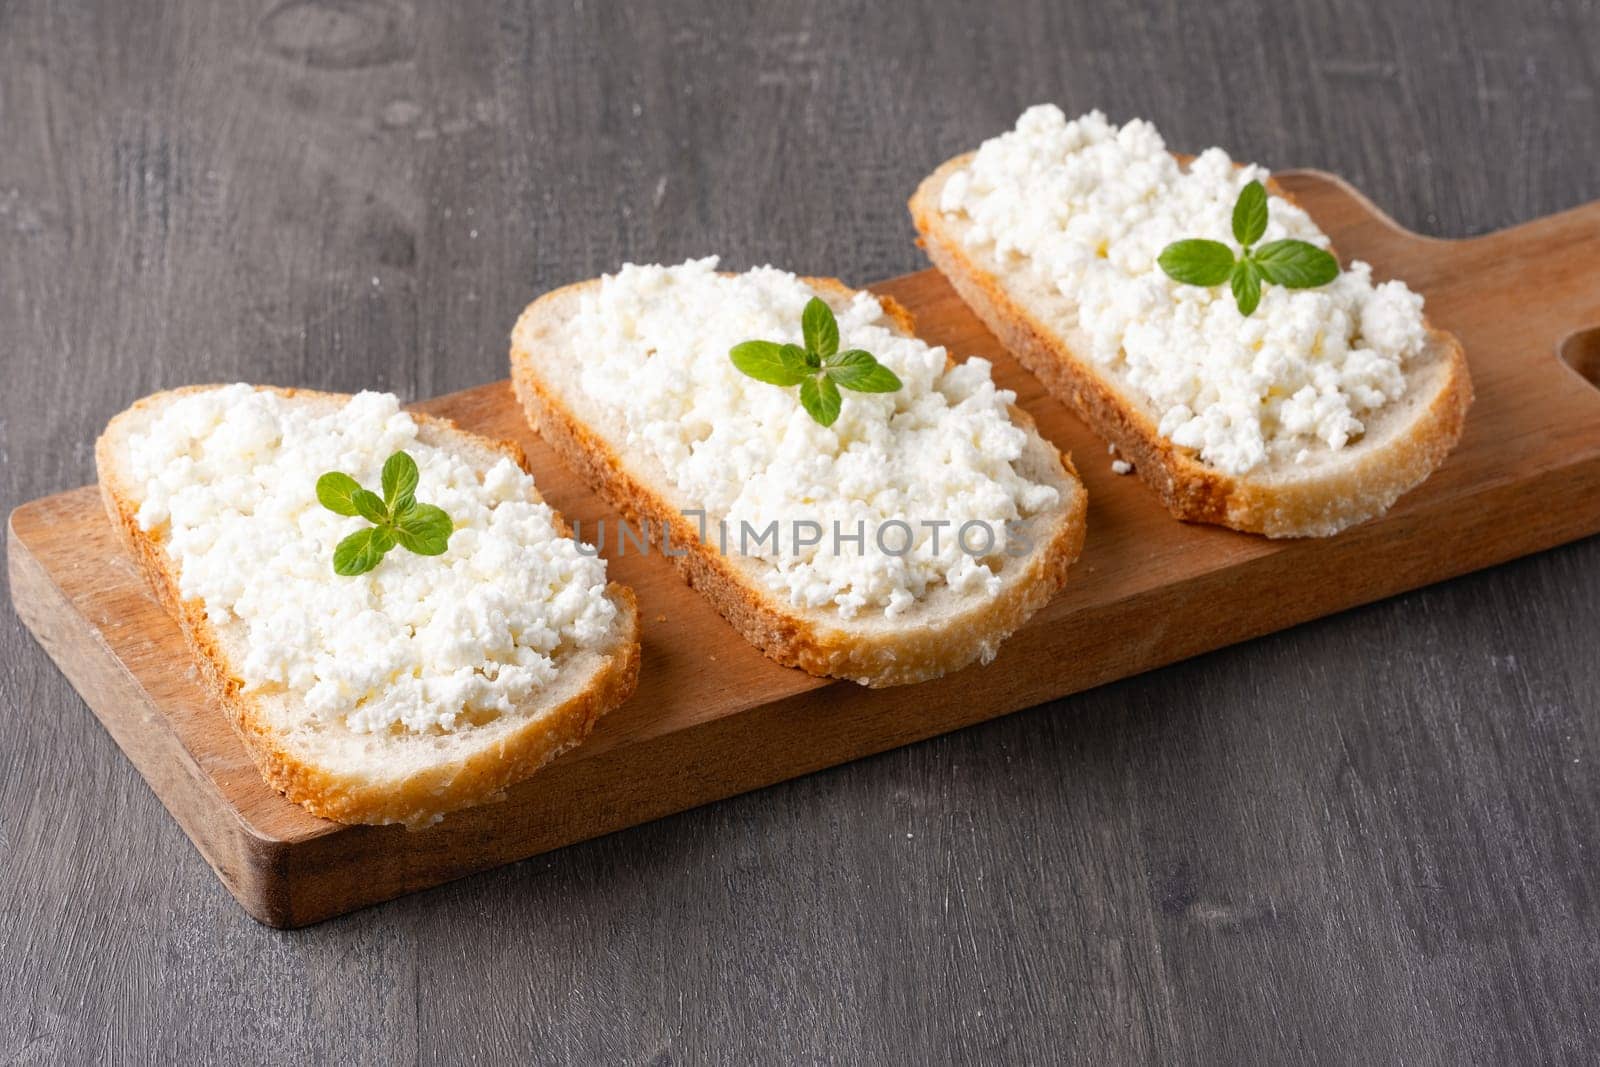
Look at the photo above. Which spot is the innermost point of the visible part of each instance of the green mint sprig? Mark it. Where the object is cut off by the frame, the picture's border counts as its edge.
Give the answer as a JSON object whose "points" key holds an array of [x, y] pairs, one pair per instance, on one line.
{"points": [[1289, 263], [396, 517], [819, 369]]}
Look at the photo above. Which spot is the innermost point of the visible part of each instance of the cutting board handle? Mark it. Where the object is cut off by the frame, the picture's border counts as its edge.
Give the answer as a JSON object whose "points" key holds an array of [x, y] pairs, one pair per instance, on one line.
{"points": [[1542, 275], [1545, 272]]}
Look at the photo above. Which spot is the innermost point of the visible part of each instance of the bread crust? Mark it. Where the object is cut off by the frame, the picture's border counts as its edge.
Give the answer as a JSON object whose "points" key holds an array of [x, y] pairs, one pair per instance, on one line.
{"points": [[1191, 489], [421, 798], [814, 641]]}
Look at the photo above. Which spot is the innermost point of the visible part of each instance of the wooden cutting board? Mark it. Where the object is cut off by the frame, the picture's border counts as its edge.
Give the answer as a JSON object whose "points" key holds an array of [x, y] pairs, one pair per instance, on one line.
{"points": [[712, 717]]}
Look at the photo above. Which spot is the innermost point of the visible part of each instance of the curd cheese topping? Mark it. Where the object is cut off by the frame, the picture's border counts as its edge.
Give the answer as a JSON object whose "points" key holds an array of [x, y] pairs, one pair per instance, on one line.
{"points": [[229, 477], [1087, 207], [935, 455]]}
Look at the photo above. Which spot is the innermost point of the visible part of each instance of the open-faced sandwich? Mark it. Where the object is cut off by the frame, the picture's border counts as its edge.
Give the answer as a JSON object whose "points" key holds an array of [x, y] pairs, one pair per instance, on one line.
{"points": [[1195, 317], [853, 501], [395, 621]]}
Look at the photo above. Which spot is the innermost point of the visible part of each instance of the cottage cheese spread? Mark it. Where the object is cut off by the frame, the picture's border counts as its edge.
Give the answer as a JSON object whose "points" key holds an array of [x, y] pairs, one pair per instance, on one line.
{"points": [[229, 478], [1088, 207], [653, 342]]}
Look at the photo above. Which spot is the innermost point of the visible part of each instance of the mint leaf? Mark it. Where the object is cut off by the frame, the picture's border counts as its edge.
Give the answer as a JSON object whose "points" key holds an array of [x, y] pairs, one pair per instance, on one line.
{"points": [[820, 328], [770, 362], [370, 506], [819, 369], [854, 356], [862, 372], [360, 552], [1296, 264], [803, 358], [1250, 214], [820, 397], [423, 529], [1246, 286], [1289, 263], [399, 480], [335, 491], [1197, 261]]}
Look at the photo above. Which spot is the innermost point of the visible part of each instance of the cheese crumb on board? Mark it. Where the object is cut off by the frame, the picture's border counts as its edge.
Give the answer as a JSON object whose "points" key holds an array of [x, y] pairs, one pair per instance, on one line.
{"points": [[229, 485], [1087, 207]]}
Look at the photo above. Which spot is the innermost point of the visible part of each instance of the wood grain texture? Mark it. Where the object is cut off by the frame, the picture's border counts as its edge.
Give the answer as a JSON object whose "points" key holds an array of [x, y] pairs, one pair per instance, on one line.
{"points": [[712, 717], [1367, 838]]}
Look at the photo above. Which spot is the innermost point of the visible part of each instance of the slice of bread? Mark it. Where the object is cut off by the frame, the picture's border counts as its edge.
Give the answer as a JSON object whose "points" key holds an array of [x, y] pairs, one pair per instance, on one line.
{"points": [[1403, 442], [398, 776], [942, 632]]}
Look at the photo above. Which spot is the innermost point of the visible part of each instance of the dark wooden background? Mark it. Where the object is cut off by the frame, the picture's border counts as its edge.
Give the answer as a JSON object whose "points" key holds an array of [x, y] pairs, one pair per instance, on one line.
{"points": [[1372, 839]]}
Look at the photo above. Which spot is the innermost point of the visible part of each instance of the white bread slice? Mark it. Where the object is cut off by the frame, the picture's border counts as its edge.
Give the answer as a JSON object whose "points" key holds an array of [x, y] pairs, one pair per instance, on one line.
{"points": [[943, 632], [1403, 442], [396, 777]]}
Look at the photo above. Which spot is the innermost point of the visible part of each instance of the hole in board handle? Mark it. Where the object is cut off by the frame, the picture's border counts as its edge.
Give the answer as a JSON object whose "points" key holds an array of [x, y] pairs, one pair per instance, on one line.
{"points": [[1581, 352]]}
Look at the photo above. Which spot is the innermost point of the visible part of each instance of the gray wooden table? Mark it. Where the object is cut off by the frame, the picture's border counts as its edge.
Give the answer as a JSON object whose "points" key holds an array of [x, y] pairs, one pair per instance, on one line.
{"points": [[1370, 839]]}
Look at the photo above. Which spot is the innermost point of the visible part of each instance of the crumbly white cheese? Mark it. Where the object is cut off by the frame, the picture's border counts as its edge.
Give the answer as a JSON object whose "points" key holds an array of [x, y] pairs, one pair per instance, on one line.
{"points": [[654, 345], [229, 485], [1087, 207]]}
